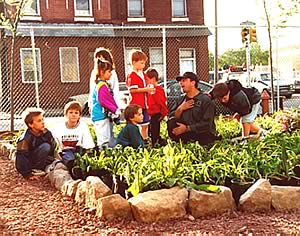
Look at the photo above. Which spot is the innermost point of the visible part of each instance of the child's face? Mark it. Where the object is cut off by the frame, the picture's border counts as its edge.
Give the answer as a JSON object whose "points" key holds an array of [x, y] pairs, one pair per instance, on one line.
{"points": [[152, 81], [106, 75], [138, 65], [224, 99], [138, 117], [38, 124], [73, 116]]}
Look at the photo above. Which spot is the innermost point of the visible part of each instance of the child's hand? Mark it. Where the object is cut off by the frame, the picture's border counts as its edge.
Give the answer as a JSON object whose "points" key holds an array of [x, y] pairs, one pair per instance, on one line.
{"points": [[151, 89]]}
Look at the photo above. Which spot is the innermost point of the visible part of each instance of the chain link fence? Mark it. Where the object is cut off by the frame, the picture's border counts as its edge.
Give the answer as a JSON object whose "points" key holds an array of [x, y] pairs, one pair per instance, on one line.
{"points": [[53, 64]]}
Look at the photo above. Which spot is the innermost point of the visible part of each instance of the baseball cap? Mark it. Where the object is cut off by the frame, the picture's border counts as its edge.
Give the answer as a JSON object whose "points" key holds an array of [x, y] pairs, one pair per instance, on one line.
{"points": [[188, 75]]}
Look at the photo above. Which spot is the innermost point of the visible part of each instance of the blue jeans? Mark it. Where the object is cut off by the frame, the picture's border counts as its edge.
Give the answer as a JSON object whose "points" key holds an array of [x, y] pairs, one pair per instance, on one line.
{"points": [[37, 159], [68, 158]]}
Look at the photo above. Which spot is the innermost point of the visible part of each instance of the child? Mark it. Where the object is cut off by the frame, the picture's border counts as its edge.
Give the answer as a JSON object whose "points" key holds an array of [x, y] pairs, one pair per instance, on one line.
{"points": [[157, 106], [130, 135], [244, 101], [35, 147], [113, 82], [136, 83], [103, 103], [72, 136]]}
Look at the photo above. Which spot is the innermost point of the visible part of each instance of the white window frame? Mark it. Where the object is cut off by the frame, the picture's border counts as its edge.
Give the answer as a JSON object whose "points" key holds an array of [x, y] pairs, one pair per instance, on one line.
{"points": [[31, 15], [185, 10], [186, 59], [82, 13], [159, 66], [127, 60], [62, 64], [38, 64], [134, 15]]}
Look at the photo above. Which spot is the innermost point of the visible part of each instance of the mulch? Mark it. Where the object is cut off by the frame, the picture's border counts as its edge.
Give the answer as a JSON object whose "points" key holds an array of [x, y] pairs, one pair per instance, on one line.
{"points": [[35, 207]]}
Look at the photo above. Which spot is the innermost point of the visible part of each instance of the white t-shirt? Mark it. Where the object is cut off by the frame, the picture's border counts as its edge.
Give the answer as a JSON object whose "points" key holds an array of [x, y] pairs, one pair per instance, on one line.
{"points": [[113, 83], [72, 137]]}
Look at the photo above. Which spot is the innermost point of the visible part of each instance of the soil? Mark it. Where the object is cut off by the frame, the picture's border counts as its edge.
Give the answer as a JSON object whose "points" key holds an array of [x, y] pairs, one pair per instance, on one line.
{"points": [[35, 207]]}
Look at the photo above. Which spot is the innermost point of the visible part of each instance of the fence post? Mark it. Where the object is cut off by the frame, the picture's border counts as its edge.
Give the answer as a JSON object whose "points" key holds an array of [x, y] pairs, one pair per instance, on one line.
{"points": [[34, 68]]}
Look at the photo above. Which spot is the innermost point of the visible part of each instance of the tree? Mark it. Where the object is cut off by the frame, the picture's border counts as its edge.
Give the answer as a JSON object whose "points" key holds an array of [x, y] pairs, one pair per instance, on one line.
{"points": [[275, 20], [10, 19], [238, 56]]}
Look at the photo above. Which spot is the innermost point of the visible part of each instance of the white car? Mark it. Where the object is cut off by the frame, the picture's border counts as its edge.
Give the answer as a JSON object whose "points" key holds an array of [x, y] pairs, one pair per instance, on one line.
{"points": [[83, 99]]}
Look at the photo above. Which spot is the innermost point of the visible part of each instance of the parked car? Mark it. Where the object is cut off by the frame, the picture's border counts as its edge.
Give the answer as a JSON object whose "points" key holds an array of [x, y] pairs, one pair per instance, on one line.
{"points": [[286, 86], [296, 82], [174, 91], [83, 99], [262, 81]]}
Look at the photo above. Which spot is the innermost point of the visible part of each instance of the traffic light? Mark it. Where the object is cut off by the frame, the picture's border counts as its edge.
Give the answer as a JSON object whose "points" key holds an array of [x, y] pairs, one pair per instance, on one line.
{"points": [[244, 33], [253, 38]]}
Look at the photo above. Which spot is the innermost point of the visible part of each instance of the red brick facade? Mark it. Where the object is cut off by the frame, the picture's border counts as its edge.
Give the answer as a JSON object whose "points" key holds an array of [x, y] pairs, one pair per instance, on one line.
{"points": [[54, 93]]}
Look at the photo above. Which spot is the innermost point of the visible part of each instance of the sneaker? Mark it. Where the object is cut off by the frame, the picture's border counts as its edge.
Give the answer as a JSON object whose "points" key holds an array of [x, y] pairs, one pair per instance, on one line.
{"points": [[36, 172]]}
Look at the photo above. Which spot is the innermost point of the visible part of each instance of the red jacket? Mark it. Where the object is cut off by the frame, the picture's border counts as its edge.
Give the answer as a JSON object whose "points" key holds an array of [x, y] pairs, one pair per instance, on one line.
{"points": [[157, 102], [135, 81]]}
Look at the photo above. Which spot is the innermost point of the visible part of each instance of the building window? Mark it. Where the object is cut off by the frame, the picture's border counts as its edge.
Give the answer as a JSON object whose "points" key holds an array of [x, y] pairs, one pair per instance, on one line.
{"points": [[187, 60], [69, 66], [179, 8], [156, 60], [29, 73], [83, 7], [135, 8], [32, 8], [128, 66]]}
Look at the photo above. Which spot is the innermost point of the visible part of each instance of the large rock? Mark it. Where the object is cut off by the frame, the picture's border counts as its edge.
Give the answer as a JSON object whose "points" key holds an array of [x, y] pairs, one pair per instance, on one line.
{"points": [[257, 197], [72, 188], [95, 190], [81, 192], [113, 207], [65, 186], [285, 198], [59, 177], [159, 205], [202, 203]]}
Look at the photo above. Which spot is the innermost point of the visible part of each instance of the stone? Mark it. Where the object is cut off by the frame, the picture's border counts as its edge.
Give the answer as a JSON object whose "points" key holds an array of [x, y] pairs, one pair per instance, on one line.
{"points": [[64, 188], [257, 197], [203, 203], [95, 190], [159, 205], [113, 207], [57, 178], [72, 188], [285, 197], [81, 193]]}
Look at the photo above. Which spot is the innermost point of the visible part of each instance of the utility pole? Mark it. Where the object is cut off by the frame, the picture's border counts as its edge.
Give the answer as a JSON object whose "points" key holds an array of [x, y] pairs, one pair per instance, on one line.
{"points": [[216, 77]]}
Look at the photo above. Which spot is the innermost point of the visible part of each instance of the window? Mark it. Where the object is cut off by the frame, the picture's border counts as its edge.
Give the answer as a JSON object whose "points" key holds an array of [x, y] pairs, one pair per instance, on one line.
{"points": [[179, 8], [156, 60], [135, 8], [69, 67], [32, 8], [187, 60], [128, 59], [27, 65], [83, 8]]}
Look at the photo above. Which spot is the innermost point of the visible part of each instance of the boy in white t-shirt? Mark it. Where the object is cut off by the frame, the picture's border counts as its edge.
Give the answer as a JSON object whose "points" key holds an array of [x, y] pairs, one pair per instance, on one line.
{"points": [[73, 135]]}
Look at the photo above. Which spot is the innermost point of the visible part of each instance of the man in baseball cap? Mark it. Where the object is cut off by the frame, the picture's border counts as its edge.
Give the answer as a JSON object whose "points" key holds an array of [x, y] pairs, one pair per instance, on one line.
{"points": [[192, 116]]}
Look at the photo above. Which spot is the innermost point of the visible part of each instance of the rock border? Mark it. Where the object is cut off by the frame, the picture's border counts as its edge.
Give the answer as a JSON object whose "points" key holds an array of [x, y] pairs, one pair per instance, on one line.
{"points": [[166, 204]]}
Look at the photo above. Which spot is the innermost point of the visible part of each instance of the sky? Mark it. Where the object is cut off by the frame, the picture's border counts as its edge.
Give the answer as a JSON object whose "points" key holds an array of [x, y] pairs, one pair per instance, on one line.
{"points": [[232, 13]]}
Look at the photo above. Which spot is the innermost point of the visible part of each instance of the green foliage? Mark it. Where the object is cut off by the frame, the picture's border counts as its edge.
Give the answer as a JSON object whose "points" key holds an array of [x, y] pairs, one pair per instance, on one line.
{"points": [[238, 56]]}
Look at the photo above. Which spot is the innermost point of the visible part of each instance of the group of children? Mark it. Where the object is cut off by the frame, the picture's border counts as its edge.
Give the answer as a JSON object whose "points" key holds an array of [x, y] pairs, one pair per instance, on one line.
{"points": [[148, 105], [35, 148]]}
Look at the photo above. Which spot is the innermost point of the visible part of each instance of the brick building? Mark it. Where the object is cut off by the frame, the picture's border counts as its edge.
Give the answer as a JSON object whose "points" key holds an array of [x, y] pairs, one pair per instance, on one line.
{"points": [[66, 32]]}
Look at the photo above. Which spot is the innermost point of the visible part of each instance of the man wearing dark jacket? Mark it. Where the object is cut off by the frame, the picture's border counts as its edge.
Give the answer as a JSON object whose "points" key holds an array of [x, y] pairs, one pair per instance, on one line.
{"points": [[244, 101], [192, 116]]}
